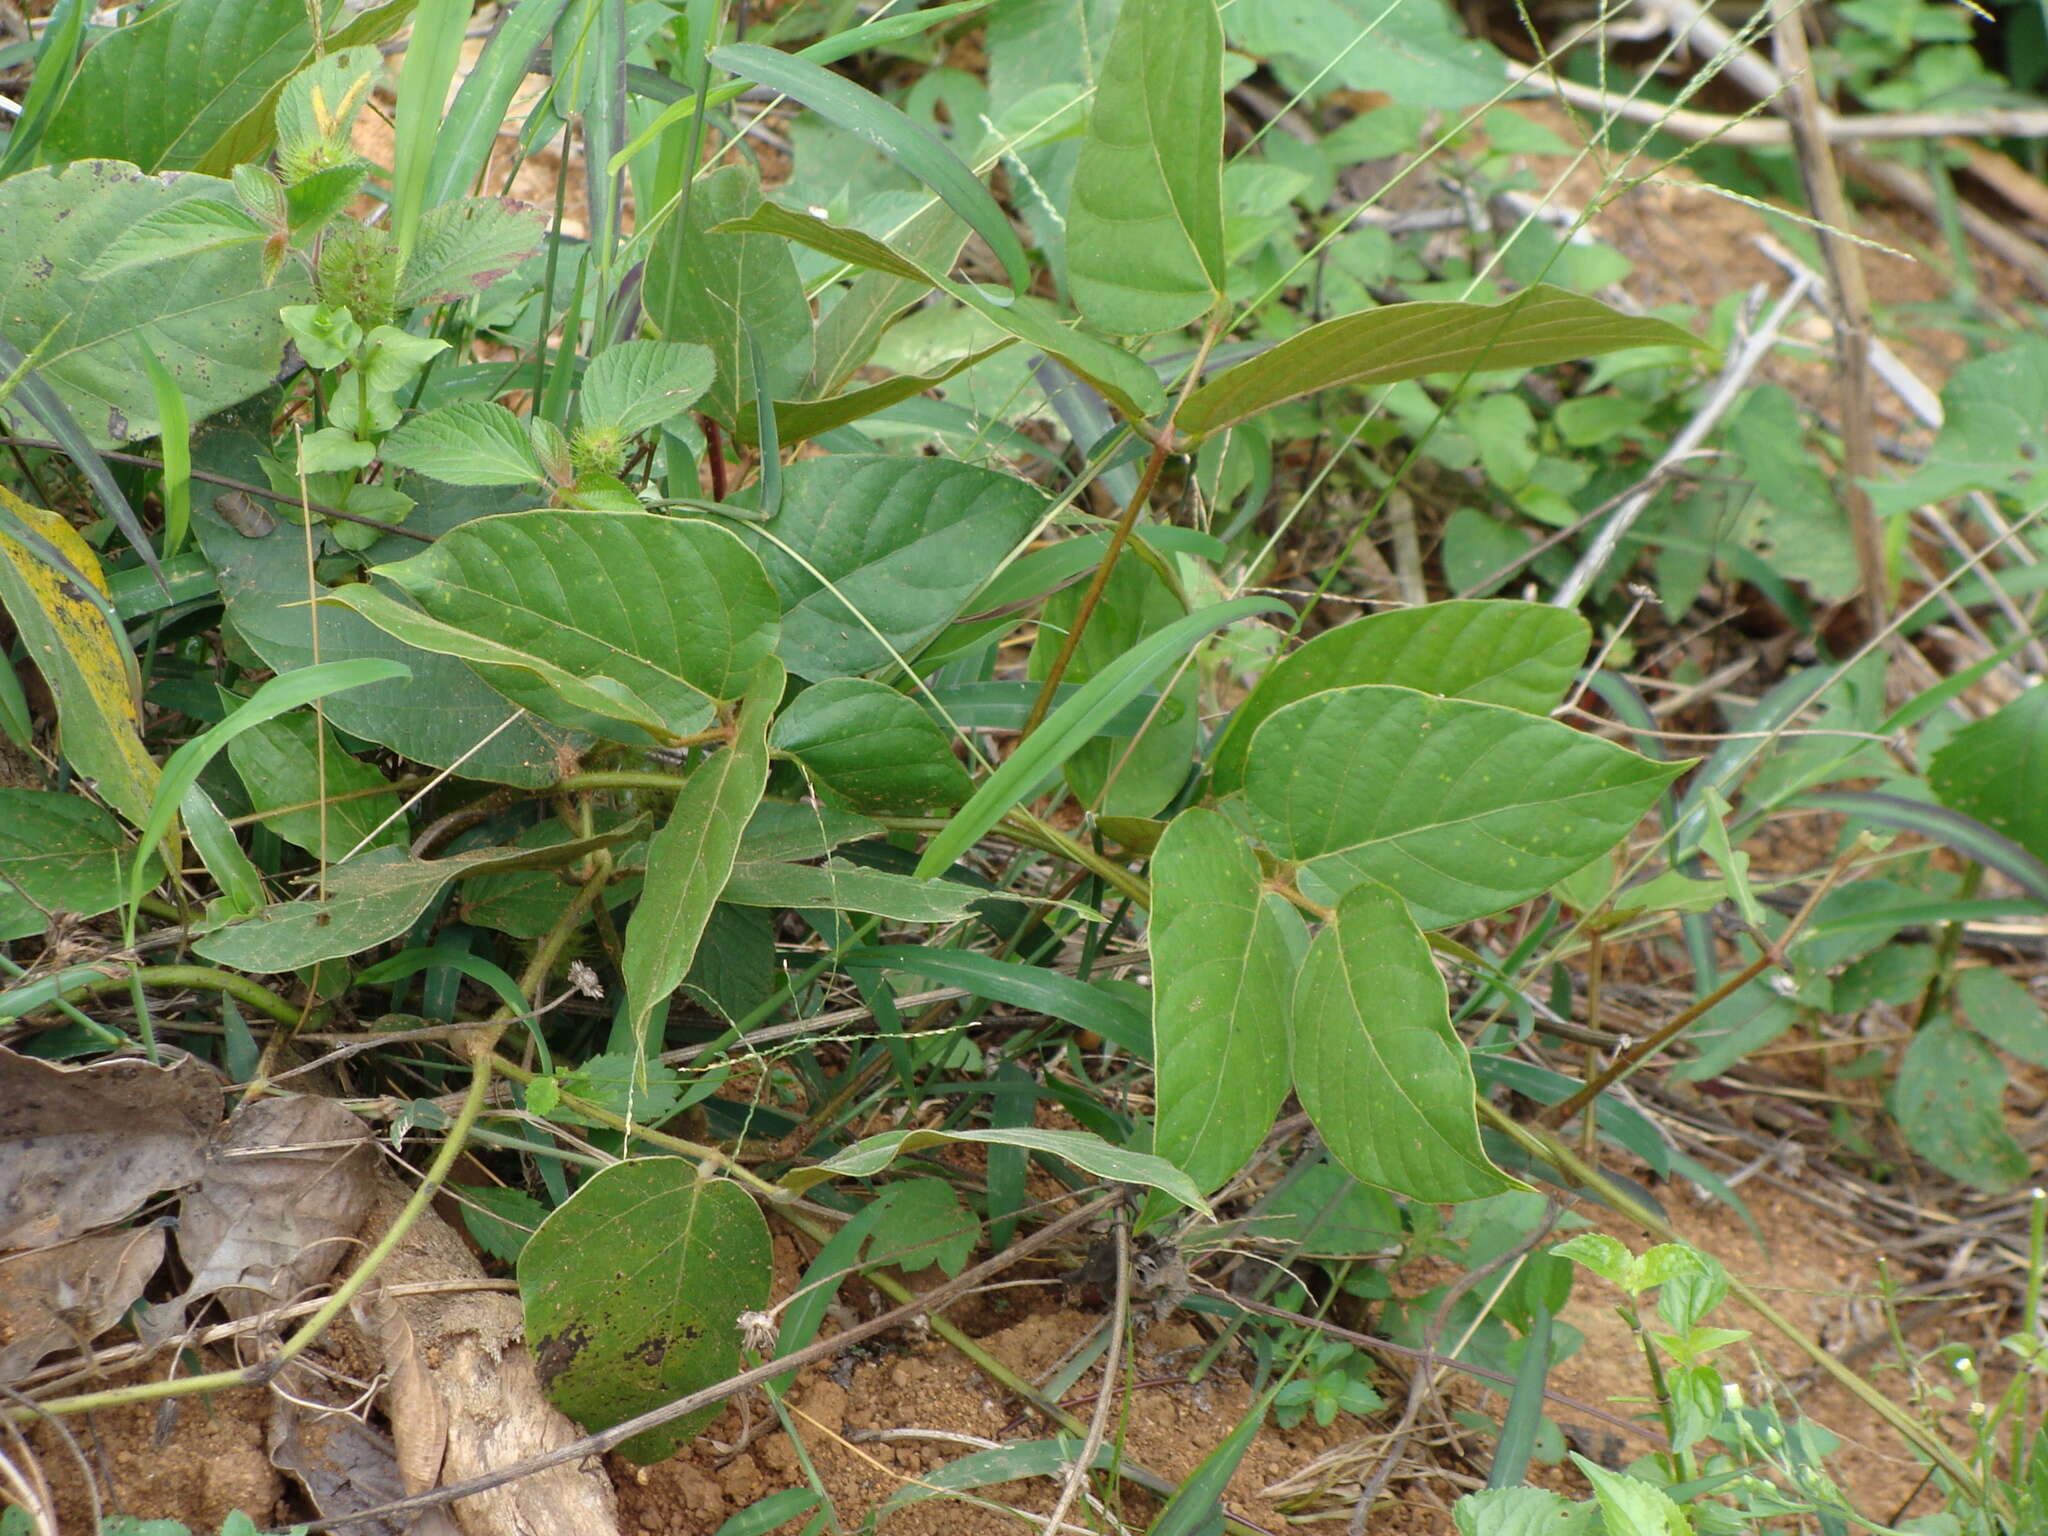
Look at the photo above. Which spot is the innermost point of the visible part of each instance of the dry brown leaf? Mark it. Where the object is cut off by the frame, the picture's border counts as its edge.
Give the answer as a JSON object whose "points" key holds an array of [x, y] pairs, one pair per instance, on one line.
{"points": [[419, 1419], [82, 1147], [65, 1296], [284, 1193], [343, 1464], [485, 1380]]}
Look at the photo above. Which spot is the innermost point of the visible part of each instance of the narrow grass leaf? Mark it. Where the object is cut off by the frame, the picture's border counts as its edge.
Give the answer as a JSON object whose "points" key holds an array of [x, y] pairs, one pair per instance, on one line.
{"points": [[1517, 1445], [878, 33], [1032, 766], [463, 146], [175, 437], [1122, 378], [1088, 1152], [276, 697], [47, 407], [906, 142], [1952, 829], [1029, 987], [55, 55], [431, 54], [1196, 1507]]}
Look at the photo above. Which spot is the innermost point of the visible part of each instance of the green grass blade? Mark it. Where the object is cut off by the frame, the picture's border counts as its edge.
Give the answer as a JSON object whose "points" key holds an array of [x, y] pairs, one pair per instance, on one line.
{"points": [[1028, 769], [463, 146], [907, 142], [278, 696], [875, 34], [54, 59], [176, 439], [42, 402], [430, 59], [1525, 1408]]}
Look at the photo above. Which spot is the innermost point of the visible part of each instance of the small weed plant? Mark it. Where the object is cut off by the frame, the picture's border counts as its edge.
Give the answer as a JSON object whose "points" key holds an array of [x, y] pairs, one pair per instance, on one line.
{"points": [[727, 711]]}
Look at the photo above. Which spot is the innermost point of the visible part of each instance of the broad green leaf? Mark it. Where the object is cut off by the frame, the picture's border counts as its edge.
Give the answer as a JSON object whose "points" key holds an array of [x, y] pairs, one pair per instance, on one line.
{"points": [[83, 658], [690, 859], [191, 84], [1122, 379], [179, 232], [623, 615], [1949, 1099], [500, 1220], [1523, 1511], [1996, 770], [2003, 1012], [1137, 776], [293, 761], [907, 142], [1221, 973], [1030, 987], [632, 1293], [464, 247], [1145, 223], [849, 887], [280, 695], [446, 714], [1631, 1507], [1089, 1153], [1519, 655], [1419, 55], [1029, 768], [317, 108], [211, 320], [716, 286], [233, 871], [525, 903], [1534, 329], [782, 829], [58, 853], [921, 1222], [640, 384], [1994, 432], [871, 747], [1462, 808], [473, 442], [370, 900], [1322, 1212], [1376, 1063], [904, 541]]}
